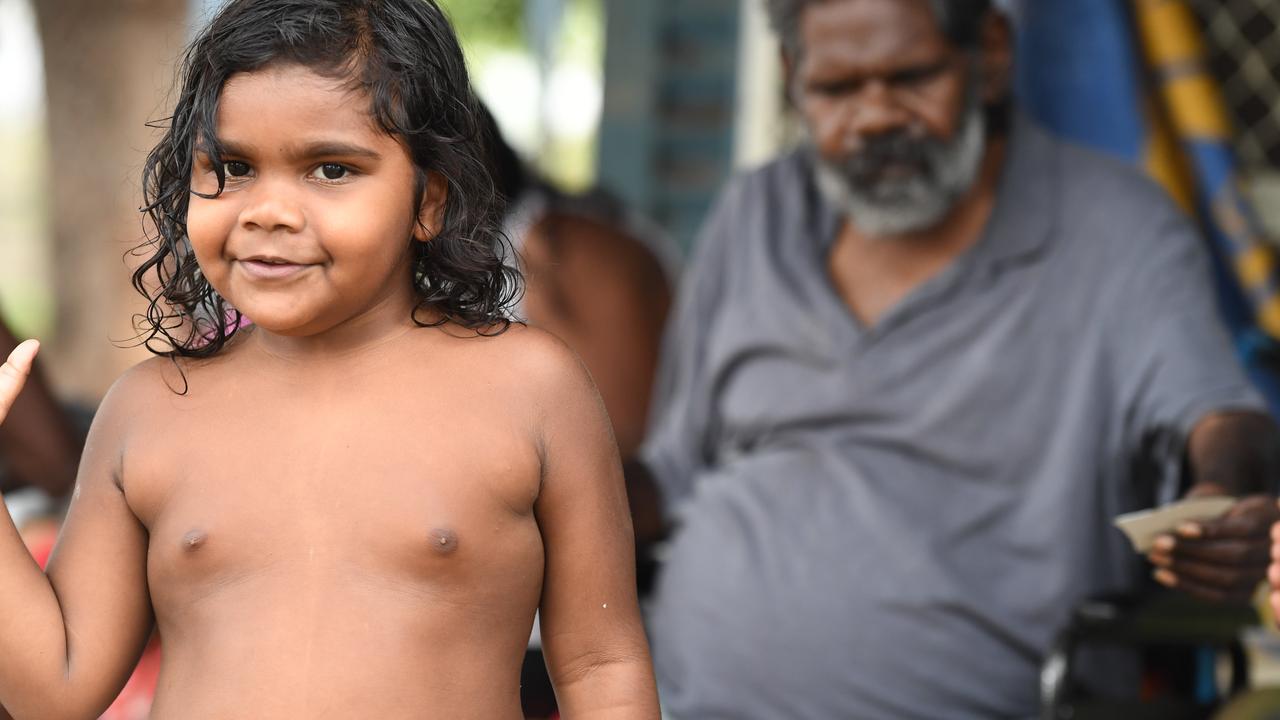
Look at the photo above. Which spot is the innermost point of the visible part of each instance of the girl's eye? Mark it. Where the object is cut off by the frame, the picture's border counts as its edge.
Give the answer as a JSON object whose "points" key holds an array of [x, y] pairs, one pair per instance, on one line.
{"points": [[331, 171], [235, 168]]}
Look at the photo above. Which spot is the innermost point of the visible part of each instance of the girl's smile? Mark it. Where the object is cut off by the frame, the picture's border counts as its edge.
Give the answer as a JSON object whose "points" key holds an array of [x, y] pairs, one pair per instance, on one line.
{"points": [[271, 268]]}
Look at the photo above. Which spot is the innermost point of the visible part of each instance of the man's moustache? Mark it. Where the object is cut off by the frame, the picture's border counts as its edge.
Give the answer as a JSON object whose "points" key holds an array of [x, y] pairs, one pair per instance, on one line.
{"points": [[879, 154]]}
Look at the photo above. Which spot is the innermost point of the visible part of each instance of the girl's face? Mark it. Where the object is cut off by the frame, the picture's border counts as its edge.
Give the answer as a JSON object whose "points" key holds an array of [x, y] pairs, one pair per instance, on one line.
{"points": [[313, 228]]}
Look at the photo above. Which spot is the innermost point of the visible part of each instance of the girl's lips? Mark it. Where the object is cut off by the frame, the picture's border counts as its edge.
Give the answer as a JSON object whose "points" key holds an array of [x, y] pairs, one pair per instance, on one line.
{"points": [[262, 270]]}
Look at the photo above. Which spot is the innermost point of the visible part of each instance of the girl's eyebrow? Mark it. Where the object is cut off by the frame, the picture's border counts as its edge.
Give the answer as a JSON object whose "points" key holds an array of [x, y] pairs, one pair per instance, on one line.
{"points": [[324, 148]]}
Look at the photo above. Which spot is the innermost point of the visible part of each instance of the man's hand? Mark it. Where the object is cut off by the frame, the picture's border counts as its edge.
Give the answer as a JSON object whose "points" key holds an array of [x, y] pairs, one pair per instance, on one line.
{"points": [[1220, 560], [13, 374]]}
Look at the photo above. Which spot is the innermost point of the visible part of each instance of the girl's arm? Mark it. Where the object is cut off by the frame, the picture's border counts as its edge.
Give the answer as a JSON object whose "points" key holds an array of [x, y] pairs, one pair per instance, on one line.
{"points": [[592, 635], [69, 640]]}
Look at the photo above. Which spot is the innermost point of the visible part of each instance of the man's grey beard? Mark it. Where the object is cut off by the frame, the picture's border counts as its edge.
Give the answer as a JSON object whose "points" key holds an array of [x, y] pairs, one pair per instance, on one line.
{"points": [[888, 207]]}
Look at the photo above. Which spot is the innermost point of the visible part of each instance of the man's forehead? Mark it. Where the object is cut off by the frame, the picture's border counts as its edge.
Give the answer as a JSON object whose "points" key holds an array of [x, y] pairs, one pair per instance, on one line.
{"points": [[872, 31]]}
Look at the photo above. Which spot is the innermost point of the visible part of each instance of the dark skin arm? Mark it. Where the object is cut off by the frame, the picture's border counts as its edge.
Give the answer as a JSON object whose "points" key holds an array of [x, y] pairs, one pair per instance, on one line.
{"points": [[1234, 454], [13, 373], [37, 445], [645, 501], [592, 635], [605, 295], [69, 638]]}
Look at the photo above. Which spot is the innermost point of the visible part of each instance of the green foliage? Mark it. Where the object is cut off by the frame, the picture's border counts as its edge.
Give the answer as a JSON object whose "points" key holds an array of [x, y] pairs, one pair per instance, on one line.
{"points": [[500, 23], [487, 22]]}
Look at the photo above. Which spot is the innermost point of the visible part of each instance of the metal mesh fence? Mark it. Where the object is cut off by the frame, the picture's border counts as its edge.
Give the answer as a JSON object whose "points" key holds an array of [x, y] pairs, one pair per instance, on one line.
{"points": [[1244, 55]]}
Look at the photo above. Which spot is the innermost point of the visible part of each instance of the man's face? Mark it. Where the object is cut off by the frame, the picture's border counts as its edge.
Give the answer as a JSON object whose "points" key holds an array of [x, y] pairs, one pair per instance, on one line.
{"points": [[893, 110]]}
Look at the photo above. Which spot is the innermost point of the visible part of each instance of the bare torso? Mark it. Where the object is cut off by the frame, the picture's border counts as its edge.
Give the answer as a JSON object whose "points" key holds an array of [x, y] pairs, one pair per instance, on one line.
{"points": [[345, 541]]}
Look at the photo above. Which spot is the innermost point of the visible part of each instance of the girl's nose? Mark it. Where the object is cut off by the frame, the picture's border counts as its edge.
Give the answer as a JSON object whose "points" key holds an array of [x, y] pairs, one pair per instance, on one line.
{"points": [[271, 208]]}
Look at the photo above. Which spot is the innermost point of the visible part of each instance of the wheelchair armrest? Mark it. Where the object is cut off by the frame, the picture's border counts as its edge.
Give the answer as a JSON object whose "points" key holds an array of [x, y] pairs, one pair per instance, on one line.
{"points": [[1165, 618], [1162, 617]]}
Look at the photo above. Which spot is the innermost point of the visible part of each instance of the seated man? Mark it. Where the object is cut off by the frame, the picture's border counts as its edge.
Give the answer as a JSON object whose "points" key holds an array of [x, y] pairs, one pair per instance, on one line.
{"points": [[916, 368], [38, 446]]}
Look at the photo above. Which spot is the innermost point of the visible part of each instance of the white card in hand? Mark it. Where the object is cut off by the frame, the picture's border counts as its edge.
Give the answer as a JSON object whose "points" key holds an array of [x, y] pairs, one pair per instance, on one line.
{"points": [[1144, 526]]}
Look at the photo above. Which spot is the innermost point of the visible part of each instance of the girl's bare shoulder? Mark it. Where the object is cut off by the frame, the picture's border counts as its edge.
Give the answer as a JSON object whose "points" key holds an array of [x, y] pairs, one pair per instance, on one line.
{"points": [[139, 386], [524, 353], [154, 385]]}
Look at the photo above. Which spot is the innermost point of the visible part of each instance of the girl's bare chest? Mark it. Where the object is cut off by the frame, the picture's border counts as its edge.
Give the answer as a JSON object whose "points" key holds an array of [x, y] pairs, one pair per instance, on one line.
{"points": [[411, 510]]}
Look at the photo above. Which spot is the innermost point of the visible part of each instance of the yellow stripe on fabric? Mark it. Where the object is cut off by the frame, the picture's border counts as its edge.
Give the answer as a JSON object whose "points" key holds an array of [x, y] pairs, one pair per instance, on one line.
{"points": [[1171, 42], [1165, 163], [1193, 108], [1196, 108], [1255, 266], [1269, 317], [1169, 32]]}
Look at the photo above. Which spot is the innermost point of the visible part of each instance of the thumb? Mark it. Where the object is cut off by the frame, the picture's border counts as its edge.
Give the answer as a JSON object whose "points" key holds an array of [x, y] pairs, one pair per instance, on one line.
{"points": [[13, 374]]}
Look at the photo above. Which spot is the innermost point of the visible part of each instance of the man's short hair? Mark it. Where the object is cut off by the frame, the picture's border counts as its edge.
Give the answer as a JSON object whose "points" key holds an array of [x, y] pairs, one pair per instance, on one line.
{"points": [[959, 19]]}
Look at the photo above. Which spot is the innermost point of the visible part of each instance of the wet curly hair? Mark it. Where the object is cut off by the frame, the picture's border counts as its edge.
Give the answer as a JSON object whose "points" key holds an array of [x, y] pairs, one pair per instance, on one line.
{"points": [[404, 56], [959, 20]]}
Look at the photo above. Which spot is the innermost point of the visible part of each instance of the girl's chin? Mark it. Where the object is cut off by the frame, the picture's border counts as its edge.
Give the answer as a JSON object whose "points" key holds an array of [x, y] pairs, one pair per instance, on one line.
{"points": [[279, 323]]}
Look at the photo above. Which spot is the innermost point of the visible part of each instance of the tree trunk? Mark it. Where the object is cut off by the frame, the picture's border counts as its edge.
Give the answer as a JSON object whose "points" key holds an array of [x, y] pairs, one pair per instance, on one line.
{"points": [[109, 68]]}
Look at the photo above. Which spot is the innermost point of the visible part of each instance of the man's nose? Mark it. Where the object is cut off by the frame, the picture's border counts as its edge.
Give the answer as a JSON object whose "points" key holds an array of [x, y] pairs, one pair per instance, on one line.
{"points": [[272, 206], [874, 110]]}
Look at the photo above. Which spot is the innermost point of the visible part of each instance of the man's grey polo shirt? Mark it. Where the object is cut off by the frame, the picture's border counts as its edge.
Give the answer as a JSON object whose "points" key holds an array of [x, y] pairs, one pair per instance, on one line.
{"points": [[894, 522]]}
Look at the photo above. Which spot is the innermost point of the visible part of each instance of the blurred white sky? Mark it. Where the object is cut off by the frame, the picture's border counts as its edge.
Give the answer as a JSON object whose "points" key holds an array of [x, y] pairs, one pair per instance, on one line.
{"points": [[21, 68]]}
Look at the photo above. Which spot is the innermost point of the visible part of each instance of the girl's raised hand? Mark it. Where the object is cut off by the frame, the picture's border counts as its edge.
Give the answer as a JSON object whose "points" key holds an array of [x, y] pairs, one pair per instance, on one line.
{"points": [[13, 374]]}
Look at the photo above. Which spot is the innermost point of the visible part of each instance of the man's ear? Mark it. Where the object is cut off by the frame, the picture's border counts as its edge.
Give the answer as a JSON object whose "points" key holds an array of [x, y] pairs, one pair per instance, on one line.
{"points": [[995, 44], [431, 212]]}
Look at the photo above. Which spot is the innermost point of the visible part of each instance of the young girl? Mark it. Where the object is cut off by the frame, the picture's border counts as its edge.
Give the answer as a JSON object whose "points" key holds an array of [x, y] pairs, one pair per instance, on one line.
{"points": [[353, 507]]}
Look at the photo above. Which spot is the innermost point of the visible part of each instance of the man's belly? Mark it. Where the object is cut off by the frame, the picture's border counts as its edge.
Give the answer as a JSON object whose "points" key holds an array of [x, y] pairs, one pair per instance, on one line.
{"points": [[797, 591]]}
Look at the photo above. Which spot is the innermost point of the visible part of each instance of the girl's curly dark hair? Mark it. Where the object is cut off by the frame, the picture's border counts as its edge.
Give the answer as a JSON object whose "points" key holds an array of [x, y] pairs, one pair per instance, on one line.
{"points": [[404, 56]]}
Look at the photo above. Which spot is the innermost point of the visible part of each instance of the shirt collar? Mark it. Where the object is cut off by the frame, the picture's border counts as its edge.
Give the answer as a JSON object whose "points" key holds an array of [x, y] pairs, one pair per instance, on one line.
{"points": [[1025, 212]]}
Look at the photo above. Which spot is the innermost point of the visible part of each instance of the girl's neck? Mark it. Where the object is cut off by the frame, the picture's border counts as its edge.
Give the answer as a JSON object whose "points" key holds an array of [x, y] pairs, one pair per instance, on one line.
{"points": [[364, 333]]}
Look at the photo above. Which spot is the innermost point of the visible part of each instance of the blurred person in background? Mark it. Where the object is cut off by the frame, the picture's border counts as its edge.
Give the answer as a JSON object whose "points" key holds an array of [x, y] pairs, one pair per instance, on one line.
{"points": [[597, 276], [916, 367]]}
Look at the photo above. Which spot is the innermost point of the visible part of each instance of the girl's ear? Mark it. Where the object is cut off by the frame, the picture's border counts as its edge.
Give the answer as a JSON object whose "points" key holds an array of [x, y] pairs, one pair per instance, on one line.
{"points": [[431, 212]]}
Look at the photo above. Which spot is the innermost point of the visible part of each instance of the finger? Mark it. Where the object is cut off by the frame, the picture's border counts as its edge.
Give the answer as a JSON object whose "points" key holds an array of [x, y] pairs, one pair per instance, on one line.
{"points": [[1247, 551], [1234, 526], [1273, 575], [1249, 515], [14, 372], [1203, 592], [1260, 503], [1224, 577]]}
